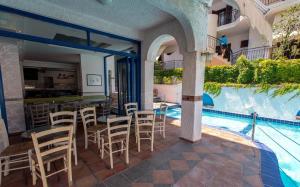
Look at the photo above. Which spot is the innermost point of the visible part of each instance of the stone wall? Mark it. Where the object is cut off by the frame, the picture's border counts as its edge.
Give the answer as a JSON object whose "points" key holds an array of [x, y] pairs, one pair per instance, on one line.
{"points": [[12, 83]]}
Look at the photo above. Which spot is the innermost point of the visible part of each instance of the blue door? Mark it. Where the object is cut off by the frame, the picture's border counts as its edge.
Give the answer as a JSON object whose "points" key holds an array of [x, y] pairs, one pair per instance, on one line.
{"points": [[126, 82]]}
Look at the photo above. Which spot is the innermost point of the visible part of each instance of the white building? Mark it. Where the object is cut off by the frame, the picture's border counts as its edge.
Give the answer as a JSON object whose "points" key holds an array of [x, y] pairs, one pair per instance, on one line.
{"points": [[246, 23]]}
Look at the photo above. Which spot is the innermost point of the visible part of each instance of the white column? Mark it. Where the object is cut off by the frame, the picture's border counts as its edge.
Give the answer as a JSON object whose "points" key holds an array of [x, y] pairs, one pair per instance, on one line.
{"points": [[192, 91], [147, 85], [12, 85]]}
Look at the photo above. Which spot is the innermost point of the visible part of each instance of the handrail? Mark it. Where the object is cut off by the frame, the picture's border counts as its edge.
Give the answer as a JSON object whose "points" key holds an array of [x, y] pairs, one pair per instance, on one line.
{"points": [[279, 145], [252, 53], [269, 2], [261, 6]]}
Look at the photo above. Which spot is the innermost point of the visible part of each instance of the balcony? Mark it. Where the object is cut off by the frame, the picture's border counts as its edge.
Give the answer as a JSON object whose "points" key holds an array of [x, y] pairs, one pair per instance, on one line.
{"points": [[227, 16]]}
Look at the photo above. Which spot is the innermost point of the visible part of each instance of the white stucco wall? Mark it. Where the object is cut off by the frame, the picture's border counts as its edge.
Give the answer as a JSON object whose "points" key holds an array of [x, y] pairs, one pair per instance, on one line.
{"points": [[12, 84], [170, 93], [239, 100], [92, 64], [212, 25], [235, 40]]}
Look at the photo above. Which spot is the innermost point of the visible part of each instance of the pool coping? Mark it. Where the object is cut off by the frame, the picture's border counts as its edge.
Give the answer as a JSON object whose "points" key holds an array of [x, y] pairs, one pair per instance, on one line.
{"points": [[269, 167], [294, 123], [270, 170]]}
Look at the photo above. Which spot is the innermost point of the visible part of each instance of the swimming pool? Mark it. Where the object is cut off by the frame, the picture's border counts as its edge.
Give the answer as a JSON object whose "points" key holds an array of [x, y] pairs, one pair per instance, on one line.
{"points": [[283, 139]]}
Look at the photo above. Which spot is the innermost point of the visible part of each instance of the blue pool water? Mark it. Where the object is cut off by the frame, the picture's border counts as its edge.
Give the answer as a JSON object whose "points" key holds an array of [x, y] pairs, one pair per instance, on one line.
{"points": [[283, 139]]}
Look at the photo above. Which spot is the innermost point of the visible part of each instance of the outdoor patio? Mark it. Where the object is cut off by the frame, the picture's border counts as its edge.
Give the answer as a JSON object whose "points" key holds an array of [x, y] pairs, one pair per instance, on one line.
{"points": [[219, 159]]}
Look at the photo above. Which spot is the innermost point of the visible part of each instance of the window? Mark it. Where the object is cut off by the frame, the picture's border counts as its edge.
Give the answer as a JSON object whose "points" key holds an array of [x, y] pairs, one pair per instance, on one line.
{"points": [[244, 43]]}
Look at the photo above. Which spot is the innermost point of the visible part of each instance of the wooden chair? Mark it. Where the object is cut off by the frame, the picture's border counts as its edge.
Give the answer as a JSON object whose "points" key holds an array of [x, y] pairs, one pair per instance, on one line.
{"points": [[118, 131], [145, 121], [90, 127], [160, 121], [51, 146], [39, 114], [64, 118], [130, 108], [12, 157]]}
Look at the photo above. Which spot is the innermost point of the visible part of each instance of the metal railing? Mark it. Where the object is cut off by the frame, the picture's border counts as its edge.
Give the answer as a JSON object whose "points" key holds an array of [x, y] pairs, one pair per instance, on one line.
{"points": [[252, 53], [226, 17], [269, 2], [212, 43]]}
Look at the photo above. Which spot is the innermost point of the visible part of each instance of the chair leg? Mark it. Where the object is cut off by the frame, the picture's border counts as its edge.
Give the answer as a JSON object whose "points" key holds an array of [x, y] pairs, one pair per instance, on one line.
{"points": [[111, 157], [102, 148], [139, 143], [33, 172], [152, 141], [6, 167], [70, 180], [85, 141], [164, 130], [127, 154], [75, 151], [122, 147], [98, 140]]}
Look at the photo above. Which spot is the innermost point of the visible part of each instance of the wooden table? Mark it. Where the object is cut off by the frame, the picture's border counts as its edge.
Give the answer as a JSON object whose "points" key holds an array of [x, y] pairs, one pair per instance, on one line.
{"points": [[103, 119], [27, 134]]}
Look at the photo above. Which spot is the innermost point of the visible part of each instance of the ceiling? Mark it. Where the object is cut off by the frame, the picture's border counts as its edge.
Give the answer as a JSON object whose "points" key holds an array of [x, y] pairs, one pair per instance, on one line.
{"points": [[135, 14]]}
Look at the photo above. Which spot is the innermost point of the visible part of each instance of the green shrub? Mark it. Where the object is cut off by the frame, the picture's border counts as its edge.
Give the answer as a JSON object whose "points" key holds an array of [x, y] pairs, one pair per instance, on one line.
{"points": [[261, 71], [246, 70]]}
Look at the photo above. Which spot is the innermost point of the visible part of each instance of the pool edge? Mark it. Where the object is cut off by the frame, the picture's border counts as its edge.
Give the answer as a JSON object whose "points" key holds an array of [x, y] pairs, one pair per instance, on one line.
{"points": [[269, 169]]}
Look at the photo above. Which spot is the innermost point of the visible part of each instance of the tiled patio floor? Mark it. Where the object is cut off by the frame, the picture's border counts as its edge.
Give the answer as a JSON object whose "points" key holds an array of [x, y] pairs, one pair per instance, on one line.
{"points": [[219, 159]]}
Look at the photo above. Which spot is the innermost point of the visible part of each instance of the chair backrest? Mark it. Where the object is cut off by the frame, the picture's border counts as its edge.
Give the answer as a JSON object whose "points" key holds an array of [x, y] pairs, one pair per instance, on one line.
{"points": [[4, 142], [163, 112], [130, 108], [64, 118], [145, 118], [39, 114], [118, 127], [88, 116], [61, 137]]}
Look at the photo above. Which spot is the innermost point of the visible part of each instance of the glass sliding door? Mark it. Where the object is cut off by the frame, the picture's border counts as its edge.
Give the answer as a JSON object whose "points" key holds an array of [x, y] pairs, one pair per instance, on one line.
{"points": [[126, 82]]}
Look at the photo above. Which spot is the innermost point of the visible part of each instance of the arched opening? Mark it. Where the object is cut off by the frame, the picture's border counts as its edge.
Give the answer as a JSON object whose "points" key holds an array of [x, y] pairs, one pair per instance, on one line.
{"points": [[165, 55]]}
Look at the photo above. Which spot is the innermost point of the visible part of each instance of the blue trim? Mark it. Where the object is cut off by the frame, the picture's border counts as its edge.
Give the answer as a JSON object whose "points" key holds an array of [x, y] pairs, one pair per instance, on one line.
{"points": [[2, 101], [88, 38], [63, 23], [294, 123], [61, 43], [139, 75], [105, 75]]}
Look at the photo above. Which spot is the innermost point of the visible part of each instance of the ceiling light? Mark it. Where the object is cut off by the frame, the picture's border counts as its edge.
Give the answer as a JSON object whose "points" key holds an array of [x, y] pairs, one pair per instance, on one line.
{"points": [[105, 2]]}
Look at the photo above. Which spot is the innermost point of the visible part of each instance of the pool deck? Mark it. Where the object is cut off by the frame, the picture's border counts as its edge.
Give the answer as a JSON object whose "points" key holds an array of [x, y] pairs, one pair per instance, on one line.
{"points": [[219, 159]]}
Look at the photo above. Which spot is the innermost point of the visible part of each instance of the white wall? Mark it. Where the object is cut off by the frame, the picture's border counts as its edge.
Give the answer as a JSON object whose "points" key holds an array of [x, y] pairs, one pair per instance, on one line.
{"points": [[239, 100], [212, 25], [170, 93], [92, 64], [256, 39], [235, 40]]}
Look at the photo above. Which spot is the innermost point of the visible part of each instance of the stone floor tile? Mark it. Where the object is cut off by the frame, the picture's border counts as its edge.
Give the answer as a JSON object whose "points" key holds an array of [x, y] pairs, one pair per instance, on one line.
{"points": [[163, 177]]}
